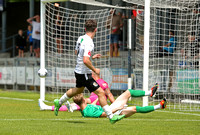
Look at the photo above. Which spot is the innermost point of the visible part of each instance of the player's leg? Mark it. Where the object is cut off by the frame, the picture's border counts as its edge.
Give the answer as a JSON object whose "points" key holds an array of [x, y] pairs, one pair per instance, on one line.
{"points": [[140, 93], [138, 109], [103, 102], [123, 98], [70, 93]]}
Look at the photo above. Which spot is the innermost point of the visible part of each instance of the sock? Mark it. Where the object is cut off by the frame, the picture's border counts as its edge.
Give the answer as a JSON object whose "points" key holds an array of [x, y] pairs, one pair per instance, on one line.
{"points": [[108, 111], [136, 93], [147, 93], [157, 107], [62, 108], [63, 99], [145, 109]]}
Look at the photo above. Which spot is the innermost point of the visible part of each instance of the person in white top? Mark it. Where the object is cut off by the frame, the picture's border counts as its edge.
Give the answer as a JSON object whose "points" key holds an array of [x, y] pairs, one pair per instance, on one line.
{"points": [[83, 72], [35, 34]]}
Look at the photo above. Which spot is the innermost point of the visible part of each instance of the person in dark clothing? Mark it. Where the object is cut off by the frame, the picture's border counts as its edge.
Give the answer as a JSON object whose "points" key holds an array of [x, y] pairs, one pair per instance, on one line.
{"points": [[192, 50], [20, 43]]}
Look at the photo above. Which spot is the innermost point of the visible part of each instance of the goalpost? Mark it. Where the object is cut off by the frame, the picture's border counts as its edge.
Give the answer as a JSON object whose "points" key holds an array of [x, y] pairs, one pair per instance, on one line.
{"points": [[177, 73]]}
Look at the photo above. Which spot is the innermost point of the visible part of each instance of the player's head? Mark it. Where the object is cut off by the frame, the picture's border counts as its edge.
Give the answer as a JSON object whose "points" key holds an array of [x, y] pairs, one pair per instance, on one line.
{"points": [[78, 99], [91, 26]]}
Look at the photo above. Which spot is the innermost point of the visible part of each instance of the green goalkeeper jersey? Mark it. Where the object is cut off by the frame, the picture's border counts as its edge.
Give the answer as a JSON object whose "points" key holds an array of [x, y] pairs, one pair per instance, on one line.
{"points": [[92, 111]]}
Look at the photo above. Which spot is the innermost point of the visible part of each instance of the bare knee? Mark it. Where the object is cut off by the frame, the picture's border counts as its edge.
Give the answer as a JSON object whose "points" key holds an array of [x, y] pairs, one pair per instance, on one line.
{"points": [[99, 92]]}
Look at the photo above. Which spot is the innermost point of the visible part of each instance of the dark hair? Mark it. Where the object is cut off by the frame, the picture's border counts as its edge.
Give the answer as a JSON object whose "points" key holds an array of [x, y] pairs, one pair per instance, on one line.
{"points": [[172, 31], [90, 25]]}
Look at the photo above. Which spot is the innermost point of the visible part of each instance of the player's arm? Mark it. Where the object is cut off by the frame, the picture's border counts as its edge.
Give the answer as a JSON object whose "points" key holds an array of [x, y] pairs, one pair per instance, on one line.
{"points": [[96, 56], [109, 95], [95, 101], [88, 63]]}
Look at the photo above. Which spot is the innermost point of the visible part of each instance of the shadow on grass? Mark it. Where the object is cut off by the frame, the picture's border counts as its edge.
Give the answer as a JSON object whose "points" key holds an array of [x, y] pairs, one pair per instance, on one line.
{"points": [[75, 121]]}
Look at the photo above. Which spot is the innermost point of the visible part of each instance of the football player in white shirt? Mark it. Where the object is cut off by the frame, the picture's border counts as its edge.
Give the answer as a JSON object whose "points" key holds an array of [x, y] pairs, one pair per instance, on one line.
{"points": [[83, 73]]}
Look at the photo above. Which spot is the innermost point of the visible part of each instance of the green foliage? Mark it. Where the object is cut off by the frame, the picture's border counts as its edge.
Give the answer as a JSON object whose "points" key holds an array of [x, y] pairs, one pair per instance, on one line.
{"points": [[24, 118]]}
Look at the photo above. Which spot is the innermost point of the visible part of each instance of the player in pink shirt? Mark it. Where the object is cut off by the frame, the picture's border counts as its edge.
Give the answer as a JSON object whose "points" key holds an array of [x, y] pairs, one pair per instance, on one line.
{"points": [[93, 99]]}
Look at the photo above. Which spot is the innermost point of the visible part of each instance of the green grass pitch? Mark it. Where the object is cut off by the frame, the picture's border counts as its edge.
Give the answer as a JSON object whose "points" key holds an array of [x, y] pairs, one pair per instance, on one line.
{"points": [[21, 117]]}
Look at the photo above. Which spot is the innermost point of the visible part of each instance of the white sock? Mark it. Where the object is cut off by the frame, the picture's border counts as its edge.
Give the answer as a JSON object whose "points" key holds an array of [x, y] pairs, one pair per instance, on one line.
{"points": [[63, 99], [147, 93], [157, 107], [108, 111]]}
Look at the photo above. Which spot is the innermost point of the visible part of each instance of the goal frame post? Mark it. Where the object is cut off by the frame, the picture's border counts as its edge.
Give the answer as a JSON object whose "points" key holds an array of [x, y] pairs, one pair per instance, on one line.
{"points": [[146, 50], [42, 47]]}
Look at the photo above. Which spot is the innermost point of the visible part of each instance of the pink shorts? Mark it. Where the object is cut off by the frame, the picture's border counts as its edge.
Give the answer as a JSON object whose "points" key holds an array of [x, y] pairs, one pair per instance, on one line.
{"points": [[103, 85]]}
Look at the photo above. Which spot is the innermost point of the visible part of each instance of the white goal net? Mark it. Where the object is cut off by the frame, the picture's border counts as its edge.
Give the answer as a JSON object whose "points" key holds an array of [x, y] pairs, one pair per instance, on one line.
{"points": [[174, 50], [62, 27]]}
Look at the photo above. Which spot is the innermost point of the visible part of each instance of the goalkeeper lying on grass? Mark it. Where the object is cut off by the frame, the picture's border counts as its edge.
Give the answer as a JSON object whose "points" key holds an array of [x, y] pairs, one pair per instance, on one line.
{"points": [[90, 110], [93, 99]]}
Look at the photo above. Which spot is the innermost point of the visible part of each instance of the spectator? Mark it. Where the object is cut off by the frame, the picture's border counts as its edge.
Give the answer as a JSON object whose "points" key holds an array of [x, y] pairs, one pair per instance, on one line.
{"points": [[115, 31], [138, 17], [169, 48], [20, 43], [191, 51], [30, 39], [59, 33], [35, 34]]}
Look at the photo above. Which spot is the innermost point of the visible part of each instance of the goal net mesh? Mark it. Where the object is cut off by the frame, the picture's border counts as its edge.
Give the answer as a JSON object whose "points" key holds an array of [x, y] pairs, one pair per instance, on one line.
{"points": [[63, 26], [173, 50]]}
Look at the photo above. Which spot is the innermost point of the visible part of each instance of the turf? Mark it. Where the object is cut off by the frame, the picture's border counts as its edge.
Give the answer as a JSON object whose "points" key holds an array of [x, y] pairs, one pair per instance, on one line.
{"points": [[20, 117]]}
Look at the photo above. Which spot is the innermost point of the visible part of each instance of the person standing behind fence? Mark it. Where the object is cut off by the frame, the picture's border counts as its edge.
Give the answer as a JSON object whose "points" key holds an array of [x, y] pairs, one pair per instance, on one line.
{"points": [[30, 39], [35, 34], [115, 31], [20, 43]]}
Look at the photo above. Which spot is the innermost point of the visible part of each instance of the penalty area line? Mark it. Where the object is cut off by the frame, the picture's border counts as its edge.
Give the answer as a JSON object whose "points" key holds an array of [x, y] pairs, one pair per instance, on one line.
{"points": [[20, 99]]}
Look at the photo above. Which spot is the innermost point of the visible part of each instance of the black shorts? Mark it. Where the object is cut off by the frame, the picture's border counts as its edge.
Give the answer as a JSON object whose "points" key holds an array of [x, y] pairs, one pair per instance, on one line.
{"points": [[36, 44], [86, 80]]}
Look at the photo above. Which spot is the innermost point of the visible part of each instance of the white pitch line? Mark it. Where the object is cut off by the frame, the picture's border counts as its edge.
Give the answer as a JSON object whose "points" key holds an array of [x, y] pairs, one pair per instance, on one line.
{"points": [[16, 99], [181, 113], [95, 119]]}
